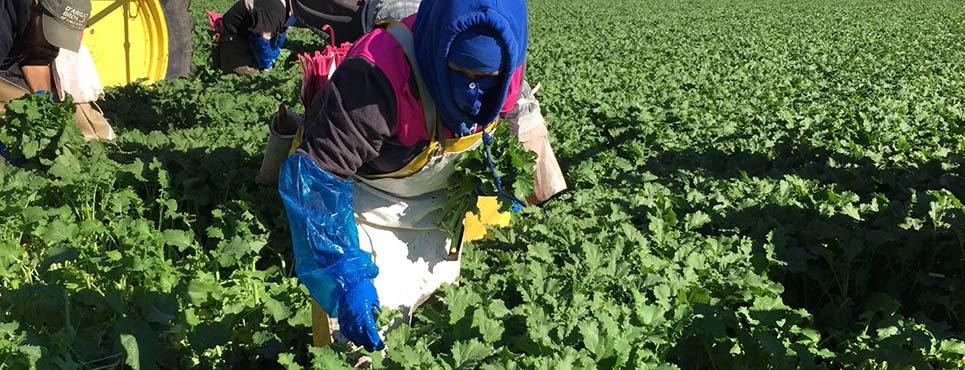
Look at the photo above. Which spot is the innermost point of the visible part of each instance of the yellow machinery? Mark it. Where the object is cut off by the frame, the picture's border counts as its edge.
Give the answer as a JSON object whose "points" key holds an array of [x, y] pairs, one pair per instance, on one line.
{"points": [[131, 40]]}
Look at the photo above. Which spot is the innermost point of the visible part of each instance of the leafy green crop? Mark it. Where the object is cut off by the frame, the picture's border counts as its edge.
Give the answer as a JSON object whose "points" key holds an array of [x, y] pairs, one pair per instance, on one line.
{"points": [[512, 163], [34, 126], [753, 184]]}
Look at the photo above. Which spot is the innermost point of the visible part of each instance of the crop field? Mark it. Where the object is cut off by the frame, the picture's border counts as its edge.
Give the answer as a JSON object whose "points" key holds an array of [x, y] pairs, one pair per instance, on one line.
{"points": [[765, 184]]}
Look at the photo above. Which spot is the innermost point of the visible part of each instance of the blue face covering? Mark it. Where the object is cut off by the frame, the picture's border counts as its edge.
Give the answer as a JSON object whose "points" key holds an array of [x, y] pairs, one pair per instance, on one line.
{"points": [[468, 93], [477, 51], [481, 36]]}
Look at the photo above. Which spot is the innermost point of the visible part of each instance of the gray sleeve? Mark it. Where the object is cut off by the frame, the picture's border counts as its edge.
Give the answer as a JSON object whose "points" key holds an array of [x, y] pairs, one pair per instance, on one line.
{"points": [[379, 10]]}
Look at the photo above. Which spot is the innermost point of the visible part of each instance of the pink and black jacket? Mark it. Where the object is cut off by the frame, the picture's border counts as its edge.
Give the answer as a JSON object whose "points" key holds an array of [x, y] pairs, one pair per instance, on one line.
{"points": [[368, 119]]}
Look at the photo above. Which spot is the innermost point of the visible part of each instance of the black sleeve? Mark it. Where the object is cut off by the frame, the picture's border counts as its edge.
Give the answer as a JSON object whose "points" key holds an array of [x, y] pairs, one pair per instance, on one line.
{"points": [[349, 118], [6, 33], [13, 18], [268, 16], [237, 20]]}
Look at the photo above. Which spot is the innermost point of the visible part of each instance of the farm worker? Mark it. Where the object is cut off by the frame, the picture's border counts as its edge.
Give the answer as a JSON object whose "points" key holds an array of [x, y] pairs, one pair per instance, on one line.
{"points": [[31, 35], [365, 182], [249, 37]]}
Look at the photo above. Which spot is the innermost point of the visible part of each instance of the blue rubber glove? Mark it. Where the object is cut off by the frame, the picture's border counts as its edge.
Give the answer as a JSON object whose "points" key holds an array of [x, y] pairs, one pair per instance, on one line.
{"points": [[357, 316], [328, 260], [9, 158], [279, 41], [262, 50], [276, 44], [3, 151], [41, 92]]}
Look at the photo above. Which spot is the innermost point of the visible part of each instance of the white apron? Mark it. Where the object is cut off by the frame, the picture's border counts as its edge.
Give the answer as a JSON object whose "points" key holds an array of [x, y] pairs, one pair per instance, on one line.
{"points": [[397, 219]]}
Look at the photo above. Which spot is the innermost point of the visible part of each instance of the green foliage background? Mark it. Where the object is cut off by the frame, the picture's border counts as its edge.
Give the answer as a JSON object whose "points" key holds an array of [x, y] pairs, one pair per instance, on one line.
{"points": [[754, 184]]}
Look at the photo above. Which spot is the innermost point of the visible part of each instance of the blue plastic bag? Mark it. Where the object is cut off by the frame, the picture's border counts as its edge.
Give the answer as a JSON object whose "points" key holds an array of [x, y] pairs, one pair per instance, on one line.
{"points": [[328, 259]]}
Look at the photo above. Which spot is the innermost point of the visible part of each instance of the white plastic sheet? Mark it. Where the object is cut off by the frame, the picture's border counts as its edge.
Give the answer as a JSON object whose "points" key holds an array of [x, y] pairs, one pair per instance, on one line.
{"points": [[76, 75]]}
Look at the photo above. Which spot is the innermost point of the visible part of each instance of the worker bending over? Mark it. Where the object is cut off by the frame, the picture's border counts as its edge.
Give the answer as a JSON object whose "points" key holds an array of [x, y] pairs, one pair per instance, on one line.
{"points": [[31, 35], [250, 35], [364, 186]]}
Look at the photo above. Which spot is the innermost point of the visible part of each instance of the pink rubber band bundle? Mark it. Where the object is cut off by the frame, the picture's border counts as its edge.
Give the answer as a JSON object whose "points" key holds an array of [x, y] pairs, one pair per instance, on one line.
{"points": [[318, 67]]}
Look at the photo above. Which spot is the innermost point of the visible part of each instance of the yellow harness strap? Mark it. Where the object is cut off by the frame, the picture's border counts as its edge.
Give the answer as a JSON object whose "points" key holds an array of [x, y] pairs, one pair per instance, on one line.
{"points": [[456, 145]]}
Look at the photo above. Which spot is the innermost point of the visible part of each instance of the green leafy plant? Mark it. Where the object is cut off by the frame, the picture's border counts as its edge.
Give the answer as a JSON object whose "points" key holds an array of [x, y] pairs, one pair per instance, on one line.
{"points": [[33, 126], [753, 184], [473, 177]]}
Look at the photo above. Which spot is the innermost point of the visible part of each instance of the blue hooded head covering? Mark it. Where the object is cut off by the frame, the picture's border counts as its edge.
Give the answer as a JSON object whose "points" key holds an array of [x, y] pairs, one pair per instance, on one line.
{"points": [[476, 35]]}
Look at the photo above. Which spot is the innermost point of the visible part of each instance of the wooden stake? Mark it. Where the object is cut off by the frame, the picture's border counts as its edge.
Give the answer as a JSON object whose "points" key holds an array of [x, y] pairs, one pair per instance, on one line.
{"points": [[321, 332]]}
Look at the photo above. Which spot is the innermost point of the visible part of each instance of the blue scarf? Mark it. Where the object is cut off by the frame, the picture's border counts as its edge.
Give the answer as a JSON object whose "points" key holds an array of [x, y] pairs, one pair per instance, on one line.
{"points": [[477, 35]]}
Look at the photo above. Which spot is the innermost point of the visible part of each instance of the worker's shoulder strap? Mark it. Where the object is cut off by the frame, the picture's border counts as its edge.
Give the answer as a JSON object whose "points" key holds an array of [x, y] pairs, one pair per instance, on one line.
{"points": [[401, 33]]}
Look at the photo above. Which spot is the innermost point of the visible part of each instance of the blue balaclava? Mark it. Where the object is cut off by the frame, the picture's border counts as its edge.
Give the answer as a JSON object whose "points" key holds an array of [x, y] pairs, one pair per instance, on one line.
{"points": [[474, 51], [480, 36]]}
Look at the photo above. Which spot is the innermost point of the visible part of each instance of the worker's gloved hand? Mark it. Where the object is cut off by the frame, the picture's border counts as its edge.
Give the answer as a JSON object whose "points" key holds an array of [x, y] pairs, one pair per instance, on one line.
{"points": [[356, 316], [276, 44], [3, 151], [42, 92], [263, 52], [279, 41]]}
